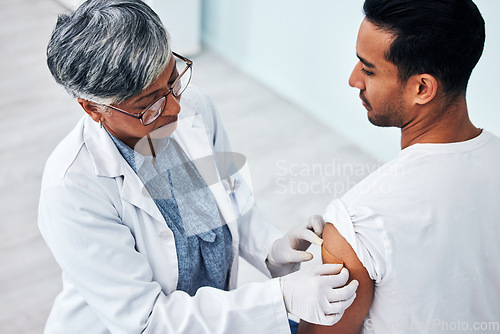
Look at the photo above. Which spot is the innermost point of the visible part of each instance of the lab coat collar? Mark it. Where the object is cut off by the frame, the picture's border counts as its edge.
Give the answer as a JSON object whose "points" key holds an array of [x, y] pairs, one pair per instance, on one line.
{"points": [[108, 162], [107, 159], [196, 141], [105, 155], [192, 136]]}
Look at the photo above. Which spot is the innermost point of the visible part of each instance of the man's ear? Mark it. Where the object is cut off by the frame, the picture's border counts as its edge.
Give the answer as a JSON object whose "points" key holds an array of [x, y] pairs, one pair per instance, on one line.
{"points": [[91, 108], [424, 88]]}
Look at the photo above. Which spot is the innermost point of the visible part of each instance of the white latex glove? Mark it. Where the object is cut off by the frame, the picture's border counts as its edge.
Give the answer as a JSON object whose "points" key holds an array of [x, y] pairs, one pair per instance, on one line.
{"points": [[318, 295], [287, 252]]}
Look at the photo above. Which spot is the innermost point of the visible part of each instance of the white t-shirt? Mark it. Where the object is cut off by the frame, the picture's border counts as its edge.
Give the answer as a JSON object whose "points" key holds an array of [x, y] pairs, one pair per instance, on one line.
{"points": [[426, 226]]}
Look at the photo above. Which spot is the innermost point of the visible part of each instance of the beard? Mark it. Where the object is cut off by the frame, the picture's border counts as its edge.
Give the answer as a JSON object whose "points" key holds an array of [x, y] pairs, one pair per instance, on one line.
{"points": [[390, 114]]}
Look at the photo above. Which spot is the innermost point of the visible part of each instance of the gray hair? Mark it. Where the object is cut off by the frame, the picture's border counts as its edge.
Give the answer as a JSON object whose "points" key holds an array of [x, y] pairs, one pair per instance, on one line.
{"points": [[108, 50]]}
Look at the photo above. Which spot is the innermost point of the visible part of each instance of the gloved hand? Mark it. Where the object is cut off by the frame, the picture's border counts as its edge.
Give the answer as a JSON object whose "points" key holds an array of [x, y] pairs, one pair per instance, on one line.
{"points": [[316, 294], [287, 252]]}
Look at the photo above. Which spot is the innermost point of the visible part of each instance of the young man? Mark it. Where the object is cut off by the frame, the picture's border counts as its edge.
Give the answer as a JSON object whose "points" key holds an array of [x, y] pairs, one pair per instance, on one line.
{"points": [[422, 233]]}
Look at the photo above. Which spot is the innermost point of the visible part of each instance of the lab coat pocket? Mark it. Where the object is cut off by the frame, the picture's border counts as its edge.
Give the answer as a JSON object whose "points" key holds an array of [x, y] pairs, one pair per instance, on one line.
{"points": [[240, 193]]}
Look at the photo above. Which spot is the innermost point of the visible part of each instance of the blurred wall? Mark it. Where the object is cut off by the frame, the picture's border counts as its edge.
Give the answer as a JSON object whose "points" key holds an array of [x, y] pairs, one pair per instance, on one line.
{"points": [[305, 51], [181, 18]]}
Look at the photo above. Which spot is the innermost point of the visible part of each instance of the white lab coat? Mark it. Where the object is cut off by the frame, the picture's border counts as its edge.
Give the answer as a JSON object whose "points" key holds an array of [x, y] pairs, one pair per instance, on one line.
{"points": [[118, 256]]}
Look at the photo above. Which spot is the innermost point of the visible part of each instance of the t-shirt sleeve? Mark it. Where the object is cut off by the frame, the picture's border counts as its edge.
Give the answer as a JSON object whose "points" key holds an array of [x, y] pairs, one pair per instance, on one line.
{"points": [[363, 229]]}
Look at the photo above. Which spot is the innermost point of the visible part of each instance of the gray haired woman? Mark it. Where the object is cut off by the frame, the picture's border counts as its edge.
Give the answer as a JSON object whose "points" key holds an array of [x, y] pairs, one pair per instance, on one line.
{"points": [[145, 210]]}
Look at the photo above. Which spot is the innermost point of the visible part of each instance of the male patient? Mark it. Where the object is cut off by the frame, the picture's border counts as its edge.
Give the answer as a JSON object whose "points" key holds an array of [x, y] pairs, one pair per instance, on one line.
{"points": [[422, 233]]}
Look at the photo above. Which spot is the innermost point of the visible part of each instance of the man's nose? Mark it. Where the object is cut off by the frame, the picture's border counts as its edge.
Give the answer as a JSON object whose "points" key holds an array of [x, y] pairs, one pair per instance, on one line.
{"points": [[356, 78]]}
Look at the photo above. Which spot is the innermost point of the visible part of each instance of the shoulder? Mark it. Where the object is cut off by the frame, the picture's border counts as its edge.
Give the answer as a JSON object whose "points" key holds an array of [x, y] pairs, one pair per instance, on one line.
{"points": [[199, 102], [199, 105], [64, 156], [387, 181], [70, 166], [73, 195], [420, 166], [492, 143]]}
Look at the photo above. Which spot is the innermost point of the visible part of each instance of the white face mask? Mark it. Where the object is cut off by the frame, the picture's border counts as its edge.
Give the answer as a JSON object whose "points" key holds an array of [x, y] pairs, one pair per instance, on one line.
{"points": [[164, 131], [146, 147]]}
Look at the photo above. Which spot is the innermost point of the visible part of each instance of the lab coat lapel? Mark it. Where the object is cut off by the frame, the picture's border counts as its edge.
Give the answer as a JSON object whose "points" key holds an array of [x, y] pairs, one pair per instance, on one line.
{"points": [[192, 136], [136, 194], [108, 162]]}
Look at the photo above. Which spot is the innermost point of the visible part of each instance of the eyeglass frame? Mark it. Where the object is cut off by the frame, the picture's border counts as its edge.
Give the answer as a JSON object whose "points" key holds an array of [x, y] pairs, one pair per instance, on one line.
{"points": [[189, 64]]}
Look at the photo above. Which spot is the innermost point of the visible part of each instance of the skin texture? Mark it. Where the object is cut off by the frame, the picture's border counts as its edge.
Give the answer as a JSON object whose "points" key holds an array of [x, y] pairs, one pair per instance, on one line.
{"points": [[128, 129], [380, 91], [336, 249]]}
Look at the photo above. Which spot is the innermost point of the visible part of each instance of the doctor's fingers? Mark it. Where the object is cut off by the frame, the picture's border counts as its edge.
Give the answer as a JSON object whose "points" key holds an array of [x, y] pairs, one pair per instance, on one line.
{"points": [[335, 280], [342, 294], [338, 307], [308, 235], [299, 256], [316, 224]]}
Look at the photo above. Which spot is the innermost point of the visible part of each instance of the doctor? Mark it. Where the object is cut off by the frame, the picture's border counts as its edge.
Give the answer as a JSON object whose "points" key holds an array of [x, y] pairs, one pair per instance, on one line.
{"points": [[144, 209]]}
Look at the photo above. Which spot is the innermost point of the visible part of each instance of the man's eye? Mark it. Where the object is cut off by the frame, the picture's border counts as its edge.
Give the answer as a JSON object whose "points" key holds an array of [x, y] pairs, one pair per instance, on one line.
{"points": [[366, 72]]}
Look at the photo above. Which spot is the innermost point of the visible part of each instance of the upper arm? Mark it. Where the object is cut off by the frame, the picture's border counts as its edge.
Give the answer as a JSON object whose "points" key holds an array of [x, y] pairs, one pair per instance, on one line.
{"points": [[337, 250]]}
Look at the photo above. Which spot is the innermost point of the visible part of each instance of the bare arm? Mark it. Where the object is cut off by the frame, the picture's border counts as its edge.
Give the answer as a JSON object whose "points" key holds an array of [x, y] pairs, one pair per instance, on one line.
{"points": [[337, 250]]}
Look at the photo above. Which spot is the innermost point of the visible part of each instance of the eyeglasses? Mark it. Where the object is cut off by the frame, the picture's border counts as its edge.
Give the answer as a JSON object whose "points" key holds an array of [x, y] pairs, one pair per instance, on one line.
{"points": [[151, 113]]}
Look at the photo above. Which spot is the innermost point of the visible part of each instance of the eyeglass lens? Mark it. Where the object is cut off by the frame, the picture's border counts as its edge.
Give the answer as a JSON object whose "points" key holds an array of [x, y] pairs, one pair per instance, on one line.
{"points": [[183, 82], [154, 111], [179, 87]]}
